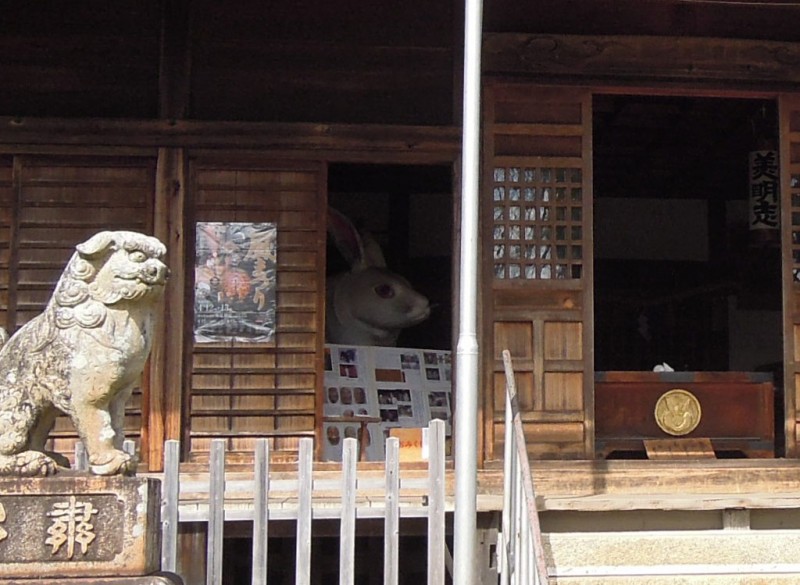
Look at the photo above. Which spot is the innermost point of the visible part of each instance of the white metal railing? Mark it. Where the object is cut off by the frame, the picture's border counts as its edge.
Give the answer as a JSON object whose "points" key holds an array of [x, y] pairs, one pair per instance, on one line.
{"points": [[522, 560], [260, 509]]}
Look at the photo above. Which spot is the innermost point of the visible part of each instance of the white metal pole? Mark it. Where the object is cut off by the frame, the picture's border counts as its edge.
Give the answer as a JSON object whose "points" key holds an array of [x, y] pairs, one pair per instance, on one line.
{"points": [[466, 448]]}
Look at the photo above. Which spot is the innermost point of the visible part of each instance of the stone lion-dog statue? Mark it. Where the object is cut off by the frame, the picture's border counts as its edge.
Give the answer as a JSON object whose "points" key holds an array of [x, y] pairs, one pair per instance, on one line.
{"points": [[82, 356]]}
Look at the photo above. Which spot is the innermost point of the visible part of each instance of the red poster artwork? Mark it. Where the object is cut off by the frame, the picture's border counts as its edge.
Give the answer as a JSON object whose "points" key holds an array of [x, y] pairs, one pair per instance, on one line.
{"points": [[235, 278]]}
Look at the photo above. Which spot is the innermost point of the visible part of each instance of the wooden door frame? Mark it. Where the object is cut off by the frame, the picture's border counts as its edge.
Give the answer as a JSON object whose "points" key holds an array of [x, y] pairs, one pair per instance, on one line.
{"points": [[788, 392], [595, 88]]}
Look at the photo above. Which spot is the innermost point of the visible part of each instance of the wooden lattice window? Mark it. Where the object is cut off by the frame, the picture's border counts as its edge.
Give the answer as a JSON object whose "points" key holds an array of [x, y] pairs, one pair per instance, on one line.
{"points": [[537, 222]]}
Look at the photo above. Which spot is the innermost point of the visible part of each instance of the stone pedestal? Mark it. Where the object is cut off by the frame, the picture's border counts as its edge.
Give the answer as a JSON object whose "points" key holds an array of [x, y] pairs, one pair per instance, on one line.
{"points": [[77, 528], [163, 579]]}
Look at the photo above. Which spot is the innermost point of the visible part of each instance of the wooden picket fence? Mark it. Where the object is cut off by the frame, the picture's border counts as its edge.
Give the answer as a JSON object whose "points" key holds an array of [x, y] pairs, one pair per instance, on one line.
{"points": [[260, 499], [259, 491]]}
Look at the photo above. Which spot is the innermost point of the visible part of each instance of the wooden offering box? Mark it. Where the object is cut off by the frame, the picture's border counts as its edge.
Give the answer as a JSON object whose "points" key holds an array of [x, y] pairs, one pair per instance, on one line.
{"points": [[733, 409]]}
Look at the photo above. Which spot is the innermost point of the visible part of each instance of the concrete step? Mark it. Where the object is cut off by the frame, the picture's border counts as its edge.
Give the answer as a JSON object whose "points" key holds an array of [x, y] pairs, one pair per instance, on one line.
{"points": [[741, 579], [674, 556]]}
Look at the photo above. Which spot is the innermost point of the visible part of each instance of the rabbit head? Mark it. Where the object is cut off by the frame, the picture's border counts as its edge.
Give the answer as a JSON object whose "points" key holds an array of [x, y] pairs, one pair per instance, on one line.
{"points": [[369, 304]]}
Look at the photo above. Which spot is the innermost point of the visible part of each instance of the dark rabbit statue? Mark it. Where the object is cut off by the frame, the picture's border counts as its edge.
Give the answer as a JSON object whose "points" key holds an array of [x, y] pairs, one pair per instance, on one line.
{"points": [[369, 304]]}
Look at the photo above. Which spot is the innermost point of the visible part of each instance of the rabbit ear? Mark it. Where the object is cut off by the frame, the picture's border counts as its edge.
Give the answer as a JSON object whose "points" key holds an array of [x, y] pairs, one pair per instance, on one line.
{"points": [[346, 238], [373, 255]]}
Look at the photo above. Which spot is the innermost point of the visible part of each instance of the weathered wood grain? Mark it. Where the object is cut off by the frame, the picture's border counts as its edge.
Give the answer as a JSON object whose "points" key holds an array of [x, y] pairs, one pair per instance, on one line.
{"points": [[720, 60]]}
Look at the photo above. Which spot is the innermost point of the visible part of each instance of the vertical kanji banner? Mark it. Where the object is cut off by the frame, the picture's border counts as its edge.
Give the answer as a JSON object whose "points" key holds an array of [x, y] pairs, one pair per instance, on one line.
{"points": [[764, 190], [235, 281]]}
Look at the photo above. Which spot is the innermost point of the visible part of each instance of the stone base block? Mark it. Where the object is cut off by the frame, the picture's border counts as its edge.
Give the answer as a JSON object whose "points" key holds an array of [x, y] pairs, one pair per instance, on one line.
{"points": [[157, 579], [77, 525]]}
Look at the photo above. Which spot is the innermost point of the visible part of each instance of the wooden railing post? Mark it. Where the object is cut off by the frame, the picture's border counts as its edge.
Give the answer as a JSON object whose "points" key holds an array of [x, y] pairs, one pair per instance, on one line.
{"points": [[347, 533], [216, 512], [170, 494], [260, 512], [305, 487], [436, 493], [391, 527]]}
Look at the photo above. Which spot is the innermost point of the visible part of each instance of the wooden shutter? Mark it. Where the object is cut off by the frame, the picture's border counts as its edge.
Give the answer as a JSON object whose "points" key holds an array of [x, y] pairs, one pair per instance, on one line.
{"points": [[6, 223], [60, 203], [242, 391], [537, 244], [789, 107]]}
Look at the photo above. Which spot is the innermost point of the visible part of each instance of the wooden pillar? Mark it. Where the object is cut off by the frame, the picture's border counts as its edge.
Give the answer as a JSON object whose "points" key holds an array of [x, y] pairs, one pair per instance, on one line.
{"points": [[162, 402], [164, 394]]}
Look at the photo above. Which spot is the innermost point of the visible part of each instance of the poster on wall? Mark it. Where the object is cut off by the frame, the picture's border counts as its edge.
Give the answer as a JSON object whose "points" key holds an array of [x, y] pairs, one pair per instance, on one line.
{"points": [[235, 282]]}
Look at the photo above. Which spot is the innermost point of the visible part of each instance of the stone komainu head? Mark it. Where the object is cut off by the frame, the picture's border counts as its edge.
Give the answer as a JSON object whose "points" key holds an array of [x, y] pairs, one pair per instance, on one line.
{"points": [[83, 355], [105, 270]]}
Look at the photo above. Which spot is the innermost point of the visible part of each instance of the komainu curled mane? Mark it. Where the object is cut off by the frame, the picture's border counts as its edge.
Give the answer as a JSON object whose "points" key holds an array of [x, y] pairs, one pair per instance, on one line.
{"points": [[83, 355]]}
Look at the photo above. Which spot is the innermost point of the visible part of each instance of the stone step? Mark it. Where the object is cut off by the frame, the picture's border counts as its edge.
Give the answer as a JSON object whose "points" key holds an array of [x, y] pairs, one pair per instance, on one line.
{"points": [[674, 556], [740, 579]]}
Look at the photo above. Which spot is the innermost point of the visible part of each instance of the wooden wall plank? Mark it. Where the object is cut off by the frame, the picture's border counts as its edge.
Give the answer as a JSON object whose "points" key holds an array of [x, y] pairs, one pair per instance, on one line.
{"points": [[7, 218]]}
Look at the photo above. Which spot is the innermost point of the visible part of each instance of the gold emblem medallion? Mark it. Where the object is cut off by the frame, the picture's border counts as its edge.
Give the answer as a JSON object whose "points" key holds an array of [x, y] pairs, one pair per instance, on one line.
{"points": [[678, 412]]}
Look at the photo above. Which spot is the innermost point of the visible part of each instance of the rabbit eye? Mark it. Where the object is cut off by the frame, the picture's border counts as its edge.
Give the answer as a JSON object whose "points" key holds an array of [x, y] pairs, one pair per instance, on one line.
{"points": [[384, 291]]}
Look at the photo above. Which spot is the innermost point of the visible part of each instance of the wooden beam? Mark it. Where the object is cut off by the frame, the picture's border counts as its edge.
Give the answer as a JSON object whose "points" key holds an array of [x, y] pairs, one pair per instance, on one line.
{"points": [[437, 143], [684, 59]]}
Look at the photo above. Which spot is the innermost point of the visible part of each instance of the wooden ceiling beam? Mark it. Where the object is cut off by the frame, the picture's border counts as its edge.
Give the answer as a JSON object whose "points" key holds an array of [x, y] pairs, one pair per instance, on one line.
{"points": [[719, 61], [437, 142]]}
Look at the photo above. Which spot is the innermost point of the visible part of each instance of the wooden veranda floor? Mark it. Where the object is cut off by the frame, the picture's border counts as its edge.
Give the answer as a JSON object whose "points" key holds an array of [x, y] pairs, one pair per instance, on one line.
{"points": [[591, 486], [603, 522]]}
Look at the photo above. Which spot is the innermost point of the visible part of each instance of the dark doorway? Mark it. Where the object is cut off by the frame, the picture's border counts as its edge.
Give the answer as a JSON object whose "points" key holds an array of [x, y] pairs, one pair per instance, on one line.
{"points": [[680, 276], [408, 210]]}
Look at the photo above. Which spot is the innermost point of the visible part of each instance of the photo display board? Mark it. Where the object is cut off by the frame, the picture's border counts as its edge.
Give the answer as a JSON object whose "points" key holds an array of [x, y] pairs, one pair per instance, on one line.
{"points": [[370, 390]]}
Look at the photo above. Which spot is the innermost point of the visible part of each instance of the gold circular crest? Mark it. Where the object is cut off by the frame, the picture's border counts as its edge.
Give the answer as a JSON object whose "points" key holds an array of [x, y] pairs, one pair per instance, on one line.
{"points": [[678, 412]]}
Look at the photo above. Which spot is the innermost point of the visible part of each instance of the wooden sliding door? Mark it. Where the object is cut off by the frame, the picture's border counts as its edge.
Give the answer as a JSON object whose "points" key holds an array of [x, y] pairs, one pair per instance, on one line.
{"points": [[537, 270], [242, 391]]}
